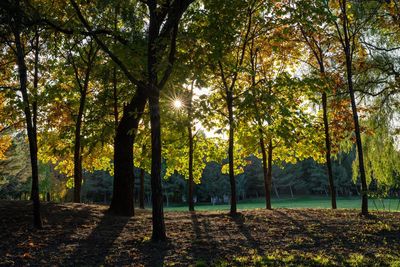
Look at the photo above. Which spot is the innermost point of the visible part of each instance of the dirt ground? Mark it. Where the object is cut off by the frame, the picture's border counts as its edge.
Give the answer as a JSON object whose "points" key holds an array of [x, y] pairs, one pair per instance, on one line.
{"points": [[85, 235]]}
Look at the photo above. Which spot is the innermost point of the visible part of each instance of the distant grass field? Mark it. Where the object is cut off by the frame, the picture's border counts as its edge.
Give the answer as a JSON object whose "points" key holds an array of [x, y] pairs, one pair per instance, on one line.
{"points": [[302, 202]]}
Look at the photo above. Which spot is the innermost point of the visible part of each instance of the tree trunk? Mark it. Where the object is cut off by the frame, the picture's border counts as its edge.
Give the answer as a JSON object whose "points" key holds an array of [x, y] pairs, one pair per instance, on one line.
{"points": [[291, 191], [22, 71], [265, 173], [269, 174], [156, 187], [191, 149], [123, 195], [230, 153], [319, 56], [328, 151], [141, 193], [347, 48], [77, 150], [35, 88], [190, 182]]}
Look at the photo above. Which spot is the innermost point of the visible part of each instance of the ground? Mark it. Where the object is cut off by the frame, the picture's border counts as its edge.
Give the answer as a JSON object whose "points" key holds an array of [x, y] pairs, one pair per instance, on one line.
{"points": [[85, 235]]}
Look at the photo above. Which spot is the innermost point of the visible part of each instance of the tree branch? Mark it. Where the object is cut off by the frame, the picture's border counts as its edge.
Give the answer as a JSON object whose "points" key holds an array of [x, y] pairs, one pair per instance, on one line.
{"points": [[104, 47]]}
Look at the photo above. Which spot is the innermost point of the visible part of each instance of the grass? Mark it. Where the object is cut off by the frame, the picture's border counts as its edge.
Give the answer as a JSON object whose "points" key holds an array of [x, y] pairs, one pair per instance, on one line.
{"points": [[300, 202]]}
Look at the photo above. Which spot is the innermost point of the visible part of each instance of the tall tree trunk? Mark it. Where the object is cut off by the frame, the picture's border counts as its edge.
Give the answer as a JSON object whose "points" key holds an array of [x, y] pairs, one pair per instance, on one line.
{"points": [[319, 56], [348, 53], [22, 71], [191, 150], [157, 195], [123, 195], [190, 182], [35, 88], [141, 193], [77, 150], [269, 173], [230, 153], [332, 190], [158, 233], [267, 185], [265, 173]]}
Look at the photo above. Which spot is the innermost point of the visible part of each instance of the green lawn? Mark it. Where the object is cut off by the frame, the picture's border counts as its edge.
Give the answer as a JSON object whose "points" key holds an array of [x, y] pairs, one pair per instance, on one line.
{"points": [[303, 202]]}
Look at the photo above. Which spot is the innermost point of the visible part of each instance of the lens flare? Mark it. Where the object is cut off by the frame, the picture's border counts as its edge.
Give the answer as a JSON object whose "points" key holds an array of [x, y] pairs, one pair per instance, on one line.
{"points": [[177, 103]]}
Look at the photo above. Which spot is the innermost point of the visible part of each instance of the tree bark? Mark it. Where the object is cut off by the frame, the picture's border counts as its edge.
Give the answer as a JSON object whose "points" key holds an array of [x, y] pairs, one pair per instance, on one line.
{"points": [[77, 150], [191, 151], [265, 173], [141, 193], [35, 87], [269, 173], [22, 71], [230, 153], [332, 190], [157, 195], [122, 202], [158, 233], [190, 182], [348, 54]]}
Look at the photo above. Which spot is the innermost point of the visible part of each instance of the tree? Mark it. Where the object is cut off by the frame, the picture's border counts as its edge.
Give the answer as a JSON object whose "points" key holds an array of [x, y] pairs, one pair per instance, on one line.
{"points": [[351, 23], [274, 102], [317, 40], [14, 17], [82, 76], [228, 43]]}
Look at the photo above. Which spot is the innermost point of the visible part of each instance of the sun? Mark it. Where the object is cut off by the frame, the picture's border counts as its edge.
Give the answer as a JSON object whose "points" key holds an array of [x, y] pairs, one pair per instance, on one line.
{"points": [[177, 104]]}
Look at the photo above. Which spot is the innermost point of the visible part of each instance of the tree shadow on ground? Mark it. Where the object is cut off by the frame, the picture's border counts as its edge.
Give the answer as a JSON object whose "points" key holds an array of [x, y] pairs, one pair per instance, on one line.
{"points": [[239, 220], [95, 248], [313, 239], [82, 235], [315, 235], [154, 253], [203, 246], [26, 243]]}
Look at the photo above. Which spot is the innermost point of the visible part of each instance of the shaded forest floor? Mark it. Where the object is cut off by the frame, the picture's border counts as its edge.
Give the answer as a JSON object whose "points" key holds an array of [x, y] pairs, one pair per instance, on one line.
{"points": [[84, 235]]}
